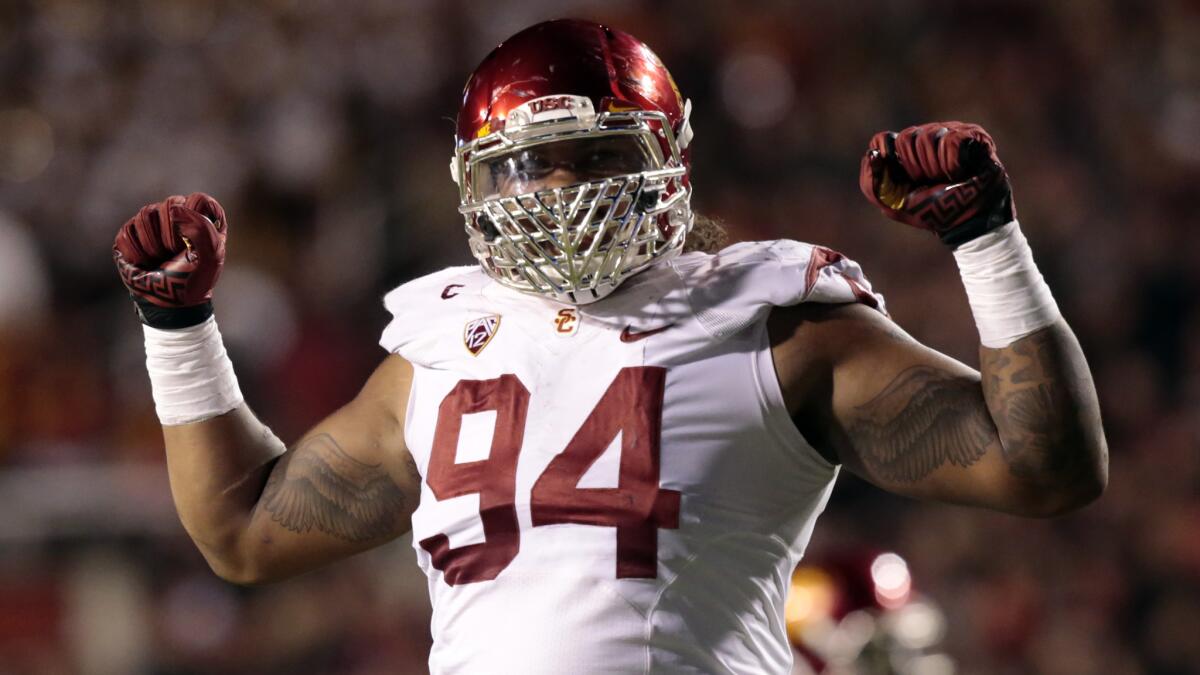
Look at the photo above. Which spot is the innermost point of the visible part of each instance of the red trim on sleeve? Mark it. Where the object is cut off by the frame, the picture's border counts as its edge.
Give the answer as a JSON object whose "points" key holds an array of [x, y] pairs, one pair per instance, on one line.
{"points": [[864, 296], [819, 259]]}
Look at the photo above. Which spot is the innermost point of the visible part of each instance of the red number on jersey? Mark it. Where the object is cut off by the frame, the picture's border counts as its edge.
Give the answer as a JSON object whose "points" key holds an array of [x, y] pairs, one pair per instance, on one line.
{"points": [[494, 479], [637, 507]]}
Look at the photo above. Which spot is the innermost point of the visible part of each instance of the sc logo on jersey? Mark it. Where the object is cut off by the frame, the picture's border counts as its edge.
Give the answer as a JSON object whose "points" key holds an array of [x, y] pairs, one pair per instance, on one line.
{"points": [[566, 322]]}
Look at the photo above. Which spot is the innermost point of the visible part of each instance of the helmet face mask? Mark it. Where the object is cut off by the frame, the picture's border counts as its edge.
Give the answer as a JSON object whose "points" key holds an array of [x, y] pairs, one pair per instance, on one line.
{"points": [[559, 200]]}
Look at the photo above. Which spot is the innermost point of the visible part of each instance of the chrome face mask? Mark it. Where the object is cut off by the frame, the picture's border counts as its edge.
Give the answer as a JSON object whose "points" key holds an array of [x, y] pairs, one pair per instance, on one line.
{"points": [[625, 207], [576, 244]]}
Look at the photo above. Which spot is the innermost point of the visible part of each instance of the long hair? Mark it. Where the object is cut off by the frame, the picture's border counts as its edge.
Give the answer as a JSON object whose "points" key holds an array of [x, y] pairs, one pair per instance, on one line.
{"points": [[708, 235]]}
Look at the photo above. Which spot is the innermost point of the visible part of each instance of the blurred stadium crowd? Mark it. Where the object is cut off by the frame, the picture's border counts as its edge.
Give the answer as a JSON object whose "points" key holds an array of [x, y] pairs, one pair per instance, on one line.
{"points": [[325, 129]]}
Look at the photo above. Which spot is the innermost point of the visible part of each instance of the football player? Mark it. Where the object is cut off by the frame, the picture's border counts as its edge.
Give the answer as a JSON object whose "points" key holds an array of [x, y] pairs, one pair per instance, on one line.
{"points": [[611, 454]]}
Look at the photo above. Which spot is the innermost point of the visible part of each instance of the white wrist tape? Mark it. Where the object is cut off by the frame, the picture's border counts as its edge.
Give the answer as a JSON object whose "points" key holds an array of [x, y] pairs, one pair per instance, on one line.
{"points": [[190, 374], [1008, 296]]}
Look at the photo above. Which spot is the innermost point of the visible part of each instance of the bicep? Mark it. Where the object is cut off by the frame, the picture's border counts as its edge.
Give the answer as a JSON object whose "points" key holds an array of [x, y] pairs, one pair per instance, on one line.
{"points": [[347, 485], [904, 417]]}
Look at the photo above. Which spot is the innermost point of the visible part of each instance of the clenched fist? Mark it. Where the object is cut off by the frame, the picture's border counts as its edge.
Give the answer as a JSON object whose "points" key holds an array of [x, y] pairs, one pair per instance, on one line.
{"points": [[169, 256], [944, 177]]}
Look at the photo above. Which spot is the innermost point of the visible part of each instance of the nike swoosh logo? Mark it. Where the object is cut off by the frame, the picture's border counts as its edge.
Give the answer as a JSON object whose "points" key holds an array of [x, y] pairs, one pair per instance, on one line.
{"points": [[628, 335]]}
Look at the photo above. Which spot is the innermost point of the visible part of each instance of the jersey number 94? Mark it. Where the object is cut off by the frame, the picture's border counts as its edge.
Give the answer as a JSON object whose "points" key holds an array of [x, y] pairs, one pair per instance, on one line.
{"points": [[637, 507]]}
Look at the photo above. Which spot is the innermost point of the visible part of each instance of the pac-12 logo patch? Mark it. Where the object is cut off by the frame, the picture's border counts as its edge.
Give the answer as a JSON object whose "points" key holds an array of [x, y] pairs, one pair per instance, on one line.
{"points": [[479, 332]]}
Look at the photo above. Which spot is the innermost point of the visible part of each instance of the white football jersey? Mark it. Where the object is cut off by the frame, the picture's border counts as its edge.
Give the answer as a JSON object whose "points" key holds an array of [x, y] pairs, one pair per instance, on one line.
{"points": [[615, 487]]}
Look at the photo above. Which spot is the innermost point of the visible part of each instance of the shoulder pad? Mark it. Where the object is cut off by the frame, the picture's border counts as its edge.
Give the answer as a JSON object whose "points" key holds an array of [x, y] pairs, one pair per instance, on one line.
{"points": [[418, 303], [738, 285]]}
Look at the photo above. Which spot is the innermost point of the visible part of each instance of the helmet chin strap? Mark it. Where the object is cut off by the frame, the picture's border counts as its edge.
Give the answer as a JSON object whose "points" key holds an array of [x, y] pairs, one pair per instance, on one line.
{"points": [[684, 138]]}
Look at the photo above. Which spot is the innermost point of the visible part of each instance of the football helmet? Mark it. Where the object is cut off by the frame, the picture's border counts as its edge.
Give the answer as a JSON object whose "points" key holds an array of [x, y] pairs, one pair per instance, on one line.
{"points": [[856, 612], [571, 160]]}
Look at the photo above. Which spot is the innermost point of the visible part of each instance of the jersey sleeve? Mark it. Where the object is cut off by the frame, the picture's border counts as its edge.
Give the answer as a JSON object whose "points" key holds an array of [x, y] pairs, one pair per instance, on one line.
{"points": [[417, 307], [738, 286]]}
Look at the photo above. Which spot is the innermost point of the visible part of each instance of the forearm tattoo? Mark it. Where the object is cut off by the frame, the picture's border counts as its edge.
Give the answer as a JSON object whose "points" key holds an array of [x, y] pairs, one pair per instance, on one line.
{"points": [[925, 418], [1034, 389], [318, 486]]}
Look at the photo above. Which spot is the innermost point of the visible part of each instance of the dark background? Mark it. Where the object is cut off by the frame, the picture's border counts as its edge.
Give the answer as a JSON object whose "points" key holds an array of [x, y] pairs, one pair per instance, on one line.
{"points": [[325, 128]]}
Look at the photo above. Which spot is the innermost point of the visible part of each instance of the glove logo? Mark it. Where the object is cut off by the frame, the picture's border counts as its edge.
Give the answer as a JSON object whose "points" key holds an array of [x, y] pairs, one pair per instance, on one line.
{"points": [[166, 286], [948, 205]]}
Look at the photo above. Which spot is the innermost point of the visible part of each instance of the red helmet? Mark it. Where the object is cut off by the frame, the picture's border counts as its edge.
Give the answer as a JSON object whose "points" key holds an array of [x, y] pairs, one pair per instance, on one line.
{"points": [[574, 92], [857, 612]]}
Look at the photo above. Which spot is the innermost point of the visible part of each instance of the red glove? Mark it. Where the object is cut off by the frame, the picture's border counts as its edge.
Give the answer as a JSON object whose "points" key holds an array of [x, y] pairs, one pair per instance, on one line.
{"points": [[943, 177], [169, 256]]}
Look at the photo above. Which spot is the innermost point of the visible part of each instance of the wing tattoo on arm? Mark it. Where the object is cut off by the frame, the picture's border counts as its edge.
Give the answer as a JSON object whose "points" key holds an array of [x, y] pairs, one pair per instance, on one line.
{"points": [[924, 419], [318, 486]]}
